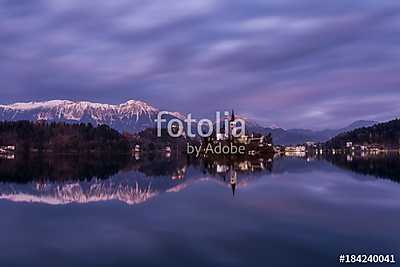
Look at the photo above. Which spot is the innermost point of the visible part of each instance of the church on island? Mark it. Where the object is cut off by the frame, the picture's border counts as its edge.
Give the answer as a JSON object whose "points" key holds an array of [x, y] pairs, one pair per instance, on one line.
{"points": [[244, 144]]}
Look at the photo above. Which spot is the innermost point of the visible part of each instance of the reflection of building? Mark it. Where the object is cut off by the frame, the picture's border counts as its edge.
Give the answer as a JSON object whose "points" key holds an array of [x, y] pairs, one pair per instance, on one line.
{"points": [[179, 174], [137, 156], [222, 168], [295, 151], [349, 158], [233, 181], [136, 152], [251, 166], [244, 165], [237, 172], [7, 156], [168, 151], [7, 152]]}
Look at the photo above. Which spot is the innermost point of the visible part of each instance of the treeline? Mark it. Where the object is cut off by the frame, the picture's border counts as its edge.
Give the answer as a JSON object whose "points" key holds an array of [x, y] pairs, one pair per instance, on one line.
{"points": [[386, 134], [54, 137]]}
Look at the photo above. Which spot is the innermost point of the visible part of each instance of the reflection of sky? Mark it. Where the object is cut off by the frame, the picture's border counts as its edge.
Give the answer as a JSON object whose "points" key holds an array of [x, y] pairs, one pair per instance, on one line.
{"points": [[284, 219], [297, 63]]}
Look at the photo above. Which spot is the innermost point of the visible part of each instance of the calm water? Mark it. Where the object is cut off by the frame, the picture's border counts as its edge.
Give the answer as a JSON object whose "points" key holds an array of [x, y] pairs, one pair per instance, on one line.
{"points": [[160, 212]]}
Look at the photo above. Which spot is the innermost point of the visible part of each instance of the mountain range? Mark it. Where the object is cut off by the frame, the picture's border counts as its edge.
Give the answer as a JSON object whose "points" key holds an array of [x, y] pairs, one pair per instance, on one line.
{"points": [[131, 116], [134, 116], [300, 136]]}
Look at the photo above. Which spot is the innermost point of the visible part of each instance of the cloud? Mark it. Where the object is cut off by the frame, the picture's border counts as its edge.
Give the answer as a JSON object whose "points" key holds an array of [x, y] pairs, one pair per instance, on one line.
{"points": [[295, 63]]}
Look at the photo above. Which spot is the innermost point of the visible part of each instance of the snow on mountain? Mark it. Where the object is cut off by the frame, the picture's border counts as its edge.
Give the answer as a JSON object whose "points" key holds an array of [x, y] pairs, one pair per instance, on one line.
{"points": [[35, 105], [131, 116], [76, 192], [131, 191]]}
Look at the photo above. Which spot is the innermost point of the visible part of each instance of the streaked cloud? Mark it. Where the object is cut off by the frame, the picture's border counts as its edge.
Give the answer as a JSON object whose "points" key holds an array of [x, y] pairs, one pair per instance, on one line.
{"points": [[299, 63]]}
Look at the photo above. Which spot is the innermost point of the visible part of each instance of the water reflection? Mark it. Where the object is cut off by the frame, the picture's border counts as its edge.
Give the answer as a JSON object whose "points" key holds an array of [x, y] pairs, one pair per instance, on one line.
{"points": [[380, 165], [26, 168], [76, 192], [69, 179], [229, 170]]}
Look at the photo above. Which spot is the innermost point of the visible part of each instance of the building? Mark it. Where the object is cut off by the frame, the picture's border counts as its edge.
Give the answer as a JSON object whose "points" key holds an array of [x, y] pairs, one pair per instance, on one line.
{"points": [[295, 149], [254, 143], [7, 149]]}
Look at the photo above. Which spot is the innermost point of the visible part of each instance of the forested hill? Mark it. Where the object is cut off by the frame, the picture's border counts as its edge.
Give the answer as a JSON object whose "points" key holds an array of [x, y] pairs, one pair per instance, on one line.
{"points": [[386, 134], [61, 137]]}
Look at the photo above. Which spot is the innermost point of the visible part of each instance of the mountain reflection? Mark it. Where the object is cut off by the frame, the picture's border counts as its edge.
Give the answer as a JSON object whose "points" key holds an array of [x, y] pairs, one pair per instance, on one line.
{"points": [[65, 180], [76, 192]]}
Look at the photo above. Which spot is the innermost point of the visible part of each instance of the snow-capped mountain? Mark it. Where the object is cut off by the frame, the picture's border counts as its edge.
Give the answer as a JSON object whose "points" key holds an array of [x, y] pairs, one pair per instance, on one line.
{"points": [[131, 116]]}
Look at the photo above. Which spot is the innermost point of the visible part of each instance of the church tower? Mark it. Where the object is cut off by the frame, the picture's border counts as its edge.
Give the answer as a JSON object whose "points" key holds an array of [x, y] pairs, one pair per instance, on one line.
{"points": [[233, 116], [232, 124]]}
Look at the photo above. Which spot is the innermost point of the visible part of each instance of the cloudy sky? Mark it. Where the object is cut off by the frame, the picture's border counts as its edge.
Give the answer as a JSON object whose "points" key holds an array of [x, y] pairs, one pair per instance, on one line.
{"points": [[298, 63]]}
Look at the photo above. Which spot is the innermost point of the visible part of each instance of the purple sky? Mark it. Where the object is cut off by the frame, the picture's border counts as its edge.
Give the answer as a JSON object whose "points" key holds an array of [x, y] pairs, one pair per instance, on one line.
{"points": [[312, 64]]}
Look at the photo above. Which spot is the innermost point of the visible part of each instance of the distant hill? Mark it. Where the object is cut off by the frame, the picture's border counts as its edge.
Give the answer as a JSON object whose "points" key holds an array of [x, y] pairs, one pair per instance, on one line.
{"points": [[300, 136], [386, 134]]}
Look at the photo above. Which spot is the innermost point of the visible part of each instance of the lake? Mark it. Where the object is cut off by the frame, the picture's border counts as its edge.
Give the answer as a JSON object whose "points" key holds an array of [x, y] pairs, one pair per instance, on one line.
{"points": [[284, 211]]}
